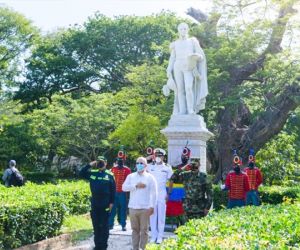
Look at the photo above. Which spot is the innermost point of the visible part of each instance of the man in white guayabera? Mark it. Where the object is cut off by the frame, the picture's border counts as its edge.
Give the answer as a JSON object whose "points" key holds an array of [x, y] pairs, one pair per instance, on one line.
{"points": [[187, 74]]}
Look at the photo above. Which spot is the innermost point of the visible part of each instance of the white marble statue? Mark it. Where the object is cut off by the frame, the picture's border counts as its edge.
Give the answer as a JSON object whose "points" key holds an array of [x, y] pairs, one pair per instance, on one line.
{"points": [[187, 74]]}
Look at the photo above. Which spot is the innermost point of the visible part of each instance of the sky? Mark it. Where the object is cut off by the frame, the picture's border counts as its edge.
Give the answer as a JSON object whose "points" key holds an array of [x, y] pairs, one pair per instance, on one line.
{"points": [[51, 14]]}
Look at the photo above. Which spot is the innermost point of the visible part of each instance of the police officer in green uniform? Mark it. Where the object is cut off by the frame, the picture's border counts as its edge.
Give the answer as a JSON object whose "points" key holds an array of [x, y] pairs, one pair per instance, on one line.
{"points": [[103, 188], [198, 189]]}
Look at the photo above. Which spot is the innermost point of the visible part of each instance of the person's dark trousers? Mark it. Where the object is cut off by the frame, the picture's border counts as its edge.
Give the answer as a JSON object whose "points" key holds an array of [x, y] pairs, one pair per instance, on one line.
{"points": [[235, 203], [100, 217], [252, 198], [120, 207]]}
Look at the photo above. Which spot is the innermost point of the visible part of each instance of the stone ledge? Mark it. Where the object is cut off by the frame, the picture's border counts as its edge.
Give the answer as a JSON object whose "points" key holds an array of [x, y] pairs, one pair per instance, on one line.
{"points": [[56, 243]]}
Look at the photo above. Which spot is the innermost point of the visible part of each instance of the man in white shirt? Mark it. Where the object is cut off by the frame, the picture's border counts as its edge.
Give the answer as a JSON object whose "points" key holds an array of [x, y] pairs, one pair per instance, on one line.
{"points": [[162, 173], [143, 195]]}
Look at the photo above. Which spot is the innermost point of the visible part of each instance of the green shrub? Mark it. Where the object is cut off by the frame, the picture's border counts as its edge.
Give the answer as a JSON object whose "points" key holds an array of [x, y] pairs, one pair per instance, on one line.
{"points": [[277, 194], [219, 197], [28, 222], [38, 177], [34, 212], [264, 227], [74, 196], [268, 195]]}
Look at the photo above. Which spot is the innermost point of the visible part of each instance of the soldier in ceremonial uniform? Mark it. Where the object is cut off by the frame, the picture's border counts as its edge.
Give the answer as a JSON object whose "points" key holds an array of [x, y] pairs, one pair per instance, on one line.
{"points": [[198, 189], [185, 156], [120, 172], [237, 183], [103, 188], [255, 179]]}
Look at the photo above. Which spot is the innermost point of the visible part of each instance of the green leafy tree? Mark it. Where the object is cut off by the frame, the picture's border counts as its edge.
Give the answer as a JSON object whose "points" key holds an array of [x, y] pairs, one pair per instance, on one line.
{"points": [[253, 81], [94, 57], [16, 140], [279, 159], [252, 72], [137, 130], [16, 35]]}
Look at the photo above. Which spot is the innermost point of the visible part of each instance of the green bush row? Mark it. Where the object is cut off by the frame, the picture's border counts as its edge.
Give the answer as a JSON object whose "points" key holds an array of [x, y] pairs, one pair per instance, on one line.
{"points": [[37, 177], [35, 212], [31, 222], [264, 227], [73, 195], [268, 195]]}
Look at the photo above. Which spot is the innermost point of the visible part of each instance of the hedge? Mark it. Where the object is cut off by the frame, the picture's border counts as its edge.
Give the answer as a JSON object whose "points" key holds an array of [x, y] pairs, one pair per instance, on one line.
{"points": [[34, 212], [74, 196], [264, 227], [38, 177], [29, 222], [268, 195]]}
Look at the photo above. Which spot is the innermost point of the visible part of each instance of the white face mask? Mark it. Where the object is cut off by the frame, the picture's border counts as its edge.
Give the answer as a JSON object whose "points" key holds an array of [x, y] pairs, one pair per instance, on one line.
{"points": [[157, 159]]}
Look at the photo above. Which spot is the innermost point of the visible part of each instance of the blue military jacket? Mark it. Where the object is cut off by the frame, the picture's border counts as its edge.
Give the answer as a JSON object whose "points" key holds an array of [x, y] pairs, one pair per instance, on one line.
{"points": [[102, 185]]}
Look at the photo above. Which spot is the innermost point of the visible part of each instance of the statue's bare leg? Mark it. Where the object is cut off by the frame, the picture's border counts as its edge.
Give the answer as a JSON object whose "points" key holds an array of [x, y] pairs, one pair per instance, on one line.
{"points": [[179, 79], [176, 105], [189, 80]]}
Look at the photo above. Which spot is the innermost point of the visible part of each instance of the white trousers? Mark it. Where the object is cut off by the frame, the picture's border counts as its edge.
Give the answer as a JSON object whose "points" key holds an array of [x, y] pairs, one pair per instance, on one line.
{"points": [[157, 220]]}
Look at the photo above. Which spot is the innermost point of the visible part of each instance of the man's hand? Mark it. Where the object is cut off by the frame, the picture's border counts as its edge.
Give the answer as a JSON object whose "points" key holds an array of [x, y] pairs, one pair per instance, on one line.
{"points": [[149, 157], [185, 167], [150, 211], [110, 207], [93, 163], [140, 185]]}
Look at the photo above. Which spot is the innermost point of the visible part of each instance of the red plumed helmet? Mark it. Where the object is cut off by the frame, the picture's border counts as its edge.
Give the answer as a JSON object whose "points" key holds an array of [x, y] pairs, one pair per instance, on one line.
{"points": [[149, 151], [251, 157], [121, 155], [186, 152], [236, 159]]}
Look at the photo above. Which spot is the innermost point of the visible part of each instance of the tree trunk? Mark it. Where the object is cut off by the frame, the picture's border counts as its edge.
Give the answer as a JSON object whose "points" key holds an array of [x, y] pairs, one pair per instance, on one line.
{"points": [[235, 131], [235, 134]]}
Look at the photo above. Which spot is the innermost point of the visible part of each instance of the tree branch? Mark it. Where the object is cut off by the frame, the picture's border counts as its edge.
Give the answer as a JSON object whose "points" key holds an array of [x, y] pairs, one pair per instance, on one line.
{"points": [[252, 79], [238, 74], [272, 120], [197, 14]]}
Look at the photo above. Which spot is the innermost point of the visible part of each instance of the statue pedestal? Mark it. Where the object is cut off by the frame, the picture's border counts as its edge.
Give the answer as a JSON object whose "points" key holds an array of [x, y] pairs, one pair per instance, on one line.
{"points": [[183, 128]]}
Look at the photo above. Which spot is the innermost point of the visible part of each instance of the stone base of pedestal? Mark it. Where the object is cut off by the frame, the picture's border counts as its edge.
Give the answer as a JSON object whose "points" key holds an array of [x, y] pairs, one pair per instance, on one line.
{"points": [[187, 129]]}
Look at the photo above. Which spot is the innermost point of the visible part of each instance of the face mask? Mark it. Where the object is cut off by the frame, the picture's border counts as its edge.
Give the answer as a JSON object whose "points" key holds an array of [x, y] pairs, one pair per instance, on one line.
{"points": [[251, 165], [101, 165], [237, 169], [140, 167], [120, 163], [157, 159], [184, 160]]}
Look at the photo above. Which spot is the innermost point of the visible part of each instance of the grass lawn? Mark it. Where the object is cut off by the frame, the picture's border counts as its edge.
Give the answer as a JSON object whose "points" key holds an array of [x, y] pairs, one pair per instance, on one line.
{"points": [[79, 226]]}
